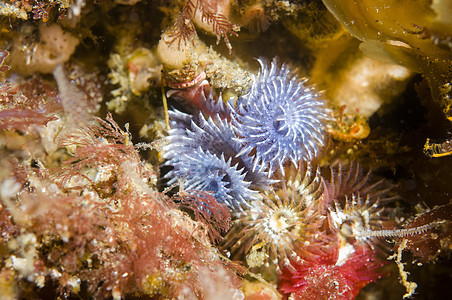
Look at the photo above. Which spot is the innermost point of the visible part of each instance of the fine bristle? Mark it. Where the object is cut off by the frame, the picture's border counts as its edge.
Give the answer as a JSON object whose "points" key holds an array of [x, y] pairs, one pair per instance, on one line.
{"points": [[404, 232], [202, 153], [280, 119], [270, 232]]}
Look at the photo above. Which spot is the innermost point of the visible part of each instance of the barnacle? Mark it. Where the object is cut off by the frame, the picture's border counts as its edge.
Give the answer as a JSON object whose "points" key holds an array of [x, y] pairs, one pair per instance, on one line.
{"points": [[280, 119]]}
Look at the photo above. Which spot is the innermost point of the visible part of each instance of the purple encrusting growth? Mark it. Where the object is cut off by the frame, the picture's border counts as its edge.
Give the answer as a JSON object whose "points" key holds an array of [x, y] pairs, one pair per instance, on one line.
{"points": [[280, 119]]}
